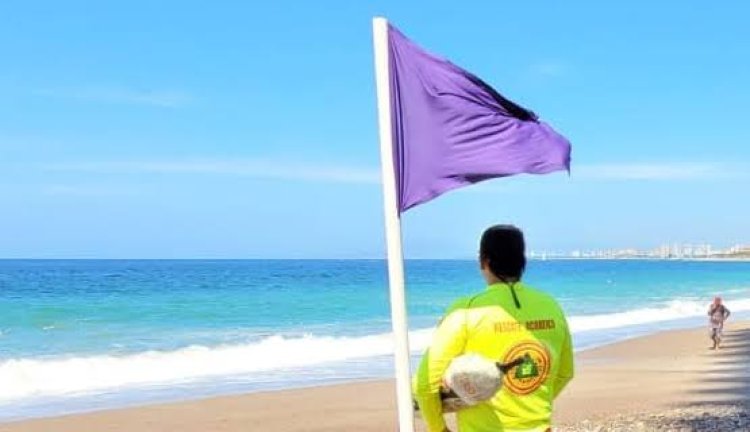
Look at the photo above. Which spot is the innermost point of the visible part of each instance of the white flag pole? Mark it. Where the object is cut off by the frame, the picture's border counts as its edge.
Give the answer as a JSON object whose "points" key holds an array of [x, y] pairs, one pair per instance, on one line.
{"points": [[392, 227]]}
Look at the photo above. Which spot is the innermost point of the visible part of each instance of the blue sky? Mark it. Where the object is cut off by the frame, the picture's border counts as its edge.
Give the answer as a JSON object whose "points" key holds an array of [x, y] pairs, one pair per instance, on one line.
{"points": [[248, 129]]}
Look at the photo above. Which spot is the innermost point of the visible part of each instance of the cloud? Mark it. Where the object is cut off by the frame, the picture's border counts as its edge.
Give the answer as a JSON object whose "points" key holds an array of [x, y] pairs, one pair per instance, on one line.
{"points": [[121, 95], [302, 171], [550, 68], [257, 168], [623, 172], [673, 171], [87, 190]]}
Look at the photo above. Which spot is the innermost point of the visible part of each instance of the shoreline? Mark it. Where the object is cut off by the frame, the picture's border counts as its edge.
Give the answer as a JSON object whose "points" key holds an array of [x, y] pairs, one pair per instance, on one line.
{"points": [[380, 366], [661, 371]]}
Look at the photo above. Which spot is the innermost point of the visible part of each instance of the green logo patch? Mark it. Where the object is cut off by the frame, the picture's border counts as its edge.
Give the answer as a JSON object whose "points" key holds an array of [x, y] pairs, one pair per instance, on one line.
{"points": [[527, 369]]}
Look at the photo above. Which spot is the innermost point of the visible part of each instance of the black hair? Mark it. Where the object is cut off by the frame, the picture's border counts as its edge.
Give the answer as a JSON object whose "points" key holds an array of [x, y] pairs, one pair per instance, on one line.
{"points": [[503, 247]]}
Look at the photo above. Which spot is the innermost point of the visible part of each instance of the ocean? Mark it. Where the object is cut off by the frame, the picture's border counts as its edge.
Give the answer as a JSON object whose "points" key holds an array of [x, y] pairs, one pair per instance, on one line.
{"points": [[79, 335]]}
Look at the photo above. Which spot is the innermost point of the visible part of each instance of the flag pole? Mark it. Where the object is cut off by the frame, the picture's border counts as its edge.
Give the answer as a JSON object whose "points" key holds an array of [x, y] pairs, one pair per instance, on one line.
{"points": [[392, 227]]}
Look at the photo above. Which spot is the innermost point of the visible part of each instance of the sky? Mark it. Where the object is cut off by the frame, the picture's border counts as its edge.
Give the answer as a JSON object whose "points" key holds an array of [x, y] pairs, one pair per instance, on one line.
{"points": [[180, 129]]}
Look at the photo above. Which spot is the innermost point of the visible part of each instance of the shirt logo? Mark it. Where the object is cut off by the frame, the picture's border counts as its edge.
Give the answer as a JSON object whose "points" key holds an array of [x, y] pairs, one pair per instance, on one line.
{"points": [[532, 372]]}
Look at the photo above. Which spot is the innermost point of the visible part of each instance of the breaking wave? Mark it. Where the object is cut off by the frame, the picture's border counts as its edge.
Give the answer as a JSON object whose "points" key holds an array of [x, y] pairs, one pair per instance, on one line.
{"points": [[24, 378]]}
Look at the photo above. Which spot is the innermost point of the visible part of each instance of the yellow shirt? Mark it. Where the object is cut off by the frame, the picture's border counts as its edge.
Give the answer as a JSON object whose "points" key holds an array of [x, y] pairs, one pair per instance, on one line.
{"points": [[492, 325]]}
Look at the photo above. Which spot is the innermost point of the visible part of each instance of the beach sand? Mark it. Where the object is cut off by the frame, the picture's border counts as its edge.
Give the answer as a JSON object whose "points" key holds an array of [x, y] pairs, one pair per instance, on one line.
{"points": [[666, 381]]}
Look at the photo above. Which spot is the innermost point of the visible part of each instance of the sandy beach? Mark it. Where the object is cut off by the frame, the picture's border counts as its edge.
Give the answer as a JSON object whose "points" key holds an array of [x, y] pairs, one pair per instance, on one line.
{"points": [[666, 381]]}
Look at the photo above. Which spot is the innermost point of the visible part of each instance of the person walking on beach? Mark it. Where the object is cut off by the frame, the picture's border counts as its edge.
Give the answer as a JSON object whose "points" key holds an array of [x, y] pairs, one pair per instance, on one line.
{"points": [[510, 323], [717, 314]]}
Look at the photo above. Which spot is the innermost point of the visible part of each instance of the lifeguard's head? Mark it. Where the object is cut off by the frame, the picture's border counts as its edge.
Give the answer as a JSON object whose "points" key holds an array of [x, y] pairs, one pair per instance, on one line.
{"points": [[717, 301], [502, 253]]}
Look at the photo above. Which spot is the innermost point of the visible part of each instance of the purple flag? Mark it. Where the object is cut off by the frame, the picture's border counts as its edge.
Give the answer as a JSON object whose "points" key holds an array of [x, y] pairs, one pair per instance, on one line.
{"points": [[451, 129]]}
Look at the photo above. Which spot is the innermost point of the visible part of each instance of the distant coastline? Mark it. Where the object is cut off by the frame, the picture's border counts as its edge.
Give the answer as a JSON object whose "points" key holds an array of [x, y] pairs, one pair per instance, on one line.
{"points": [[641, 258], [667, 252]]}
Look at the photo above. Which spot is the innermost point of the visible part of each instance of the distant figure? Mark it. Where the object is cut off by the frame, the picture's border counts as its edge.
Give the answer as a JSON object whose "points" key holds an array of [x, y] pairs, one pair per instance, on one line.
{"points": [[511, 323], [717, 313]]}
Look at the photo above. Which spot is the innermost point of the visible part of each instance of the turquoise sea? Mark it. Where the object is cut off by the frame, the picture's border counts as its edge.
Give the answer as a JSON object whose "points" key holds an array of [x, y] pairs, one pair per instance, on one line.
{"points": [[78, 335]]}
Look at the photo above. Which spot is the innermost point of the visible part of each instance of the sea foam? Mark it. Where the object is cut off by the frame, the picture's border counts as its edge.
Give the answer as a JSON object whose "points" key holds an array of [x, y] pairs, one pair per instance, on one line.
{"points": [[672, 310], [28, 378]]}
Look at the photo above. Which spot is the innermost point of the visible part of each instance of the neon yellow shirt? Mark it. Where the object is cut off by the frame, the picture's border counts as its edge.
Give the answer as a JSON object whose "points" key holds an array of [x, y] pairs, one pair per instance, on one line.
{"points": [[490, 324]]}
